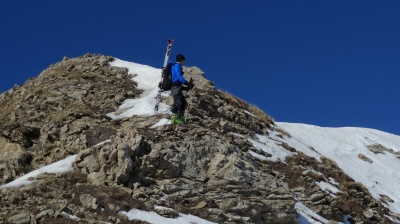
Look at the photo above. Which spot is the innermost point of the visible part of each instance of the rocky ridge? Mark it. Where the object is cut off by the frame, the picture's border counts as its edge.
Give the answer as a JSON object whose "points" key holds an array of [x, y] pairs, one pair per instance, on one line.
{"points": [[203, 168]]}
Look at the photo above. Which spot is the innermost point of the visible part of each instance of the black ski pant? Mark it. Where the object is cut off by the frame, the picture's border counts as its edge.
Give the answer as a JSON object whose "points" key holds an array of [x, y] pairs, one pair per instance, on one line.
{"points": [[180, 103]]}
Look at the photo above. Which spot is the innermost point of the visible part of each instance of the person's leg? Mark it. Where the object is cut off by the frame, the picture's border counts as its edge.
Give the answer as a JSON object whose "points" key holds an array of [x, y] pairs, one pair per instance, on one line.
{"points": [[182, 104], [176, 105], [181, 107], [176, 96]]}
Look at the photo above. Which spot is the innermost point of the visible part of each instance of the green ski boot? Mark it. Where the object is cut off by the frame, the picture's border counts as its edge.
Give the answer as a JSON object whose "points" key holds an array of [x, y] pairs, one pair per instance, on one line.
{"points": [[173, 118], [177, 119], [180, 119]]}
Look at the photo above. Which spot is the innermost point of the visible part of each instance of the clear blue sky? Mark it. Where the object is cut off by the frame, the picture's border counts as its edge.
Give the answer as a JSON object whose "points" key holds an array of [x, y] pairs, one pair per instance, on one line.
{"points": [[328, 63]]}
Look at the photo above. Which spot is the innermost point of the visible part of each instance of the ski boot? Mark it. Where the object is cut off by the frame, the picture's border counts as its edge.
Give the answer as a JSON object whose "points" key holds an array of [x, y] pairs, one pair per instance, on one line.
{"points": [[177, 119]]}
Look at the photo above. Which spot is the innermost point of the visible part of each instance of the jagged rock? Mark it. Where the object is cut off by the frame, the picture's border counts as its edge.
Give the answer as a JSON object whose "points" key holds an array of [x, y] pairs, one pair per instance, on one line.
{"points": [[22, 218], [112, 162], [97, 178], [202, 168], [316, 197], [377, 148], [54, 113], [226, 126], [363, 157], [88, 201], [86, 161], [201, 204], [14, 159], [306, 172], [216, 211], [10, 151], [368, 213], [331, 222], [114, 208], [166, 212], [216, 164], [44, 213]]}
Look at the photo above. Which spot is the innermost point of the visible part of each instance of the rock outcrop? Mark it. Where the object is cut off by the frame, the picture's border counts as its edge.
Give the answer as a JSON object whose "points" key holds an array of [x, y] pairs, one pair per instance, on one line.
{"points": [[203, 168], [61, 112]]}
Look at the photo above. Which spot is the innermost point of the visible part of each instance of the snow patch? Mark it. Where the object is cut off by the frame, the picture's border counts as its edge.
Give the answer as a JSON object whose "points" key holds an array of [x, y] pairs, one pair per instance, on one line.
{"points": [[147, 78], [392, 219], [327, 187], [307, 216], [102, 143], [343, 145], [239, 135], [271, 147], [162, 122], [61, 166], [73, 217], [257, 156], [155, 218], [163, 208], [247, 112], [333, 181]]}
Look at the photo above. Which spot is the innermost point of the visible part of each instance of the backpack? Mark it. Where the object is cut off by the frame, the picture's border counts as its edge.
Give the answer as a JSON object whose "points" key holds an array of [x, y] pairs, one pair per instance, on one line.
{"points": [[166, 78]]}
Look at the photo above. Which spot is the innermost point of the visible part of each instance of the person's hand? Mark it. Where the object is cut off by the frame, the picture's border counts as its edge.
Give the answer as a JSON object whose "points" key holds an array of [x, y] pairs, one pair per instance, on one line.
{"points": [[190, 85]]}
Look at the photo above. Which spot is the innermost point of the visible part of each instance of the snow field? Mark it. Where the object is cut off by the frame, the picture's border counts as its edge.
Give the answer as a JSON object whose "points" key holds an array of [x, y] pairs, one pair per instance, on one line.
{"points": [[155, 218], [147, 78], [61, 166], [342, 145]]}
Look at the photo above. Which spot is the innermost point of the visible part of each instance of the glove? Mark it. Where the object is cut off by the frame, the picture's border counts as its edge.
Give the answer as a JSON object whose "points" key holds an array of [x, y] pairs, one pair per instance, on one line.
{"points": [[190, 85]]}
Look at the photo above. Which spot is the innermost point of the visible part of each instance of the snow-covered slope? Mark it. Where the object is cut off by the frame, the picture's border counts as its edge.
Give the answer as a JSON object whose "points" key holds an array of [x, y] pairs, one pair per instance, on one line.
{"points": [[379, 173], [147, 78]]}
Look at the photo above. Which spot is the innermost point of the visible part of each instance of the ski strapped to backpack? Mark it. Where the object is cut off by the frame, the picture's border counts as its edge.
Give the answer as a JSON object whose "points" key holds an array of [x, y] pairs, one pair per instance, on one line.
{"points": [[166, 80]]}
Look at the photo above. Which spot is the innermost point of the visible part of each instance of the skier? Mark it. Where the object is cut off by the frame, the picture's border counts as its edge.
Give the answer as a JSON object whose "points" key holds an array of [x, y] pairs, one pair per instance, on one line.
{"points": [[179, 84]]}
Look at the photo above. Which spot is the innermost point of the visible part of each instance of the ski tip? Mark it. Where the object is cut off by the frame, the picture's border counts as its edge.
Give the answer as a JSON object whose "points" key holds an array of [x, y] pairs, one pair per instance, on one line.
{"points": [[170, 40]]}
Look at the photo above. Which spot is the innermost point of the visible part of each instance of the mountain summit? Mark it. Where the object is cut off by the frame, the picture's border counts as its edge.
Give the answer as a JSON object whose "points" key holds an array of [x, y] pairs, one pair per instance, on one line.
{"points": [[81, 143]]}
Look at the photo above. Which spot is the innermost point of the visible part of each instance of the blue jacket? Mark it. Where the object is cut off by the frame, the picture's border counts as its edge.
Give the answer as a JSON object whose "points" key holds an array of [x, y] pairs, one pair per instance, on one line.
{"points": [[177, 74]]}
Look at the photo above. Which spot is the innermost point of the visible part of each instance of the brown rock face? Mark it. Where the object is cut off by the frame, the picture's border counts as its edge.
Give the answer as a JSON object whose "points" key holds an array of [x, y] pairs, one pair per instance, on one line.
{"points": [[59, 113], [202, 168]]}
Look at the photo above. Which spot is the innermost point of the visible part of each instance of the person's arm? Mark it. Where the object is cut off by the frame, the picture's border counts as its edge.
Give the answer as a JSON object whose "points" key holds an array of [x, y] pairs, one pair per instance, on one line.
{"points": [[179, 74]]}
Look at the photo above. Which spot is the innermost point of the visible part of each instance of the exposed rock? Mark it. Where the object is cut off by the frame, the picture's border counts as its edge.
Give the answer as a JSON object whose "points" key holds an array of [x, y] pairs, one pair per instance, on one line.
{"points": [[368, 213], [363, 157], [22, 218], [166, 212], [62, 111], [48, 212], [14, 159], [316, 197], [201, 204], [331, 222], [202, 168], [97, 178], [377, 148], [10, 151], [112, 162], [88, 201]]}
